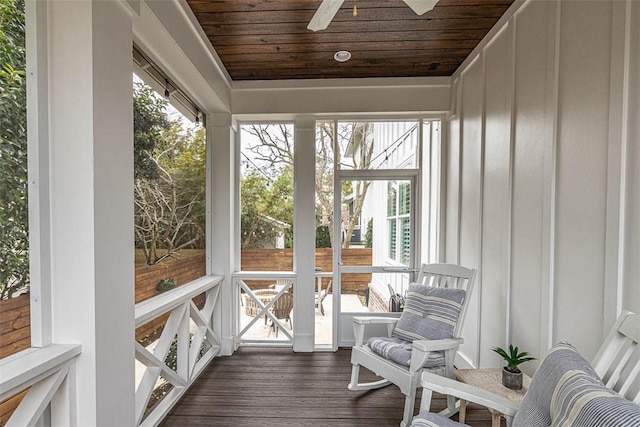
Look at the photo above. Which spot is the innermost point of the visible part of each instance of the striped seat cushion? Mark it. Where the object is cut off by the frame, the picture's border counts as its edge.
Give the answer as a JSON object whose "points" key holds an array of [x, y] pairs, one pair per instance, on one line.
{"points": [[429, 419], [429, 313], [581, 400], [399, 351]]}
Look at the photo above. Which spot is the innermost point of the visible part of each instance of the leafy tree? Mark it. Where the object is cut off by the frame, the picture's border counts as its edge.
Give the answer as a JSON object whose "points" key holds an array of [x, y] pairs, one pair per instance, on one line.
{"points": [[186, 163], [149, 124], [267, 208], [267, 187], [14, 217], [354, 138], [169, 164]]}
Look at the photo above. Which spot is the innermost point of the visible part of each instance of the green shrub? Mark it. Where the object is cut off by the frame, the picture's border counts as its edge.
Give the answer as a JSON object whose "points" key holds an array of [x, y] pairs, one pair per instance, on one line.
{"points": [[14, 214], [166, 285], [172, 356], [368, 237], [323, 237]]}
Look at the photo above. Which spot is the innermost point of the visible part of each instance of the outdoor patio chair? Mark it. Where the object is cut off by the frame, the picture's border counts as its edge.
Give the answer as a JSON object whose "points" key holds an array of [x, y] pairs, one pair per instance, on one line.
{"points": [[281, 309], [251, 306], [281, 283], [322, 295], [424, 338]]}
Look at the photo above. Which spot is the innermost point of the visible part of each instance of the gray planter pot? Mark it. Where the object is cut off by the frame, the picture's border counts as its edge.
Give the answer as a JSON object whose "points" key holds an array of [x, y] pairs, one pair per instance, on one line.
{"points": [[512, 380]]}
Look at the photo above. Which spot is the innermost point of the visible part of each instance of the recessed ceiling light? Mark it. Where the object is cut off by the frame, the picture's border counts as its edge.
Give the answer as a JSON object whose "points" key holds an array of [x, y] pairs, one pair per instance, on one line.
{"points": [[342, 55]]}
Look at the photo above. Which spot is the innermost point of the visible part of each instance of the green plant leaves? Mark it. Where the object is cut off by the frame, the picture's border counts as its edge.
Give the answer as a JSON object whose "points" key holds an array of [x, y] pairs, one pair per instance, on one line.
{"points": [[513, 357], [14, 215]]}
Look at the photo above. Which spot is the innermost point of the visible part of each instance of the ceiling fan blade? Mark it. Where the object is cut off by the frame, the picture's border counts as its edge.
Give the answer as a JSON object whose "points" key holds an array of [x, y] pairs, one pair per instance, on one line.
{"points": [[421, 6], [324, 14]]}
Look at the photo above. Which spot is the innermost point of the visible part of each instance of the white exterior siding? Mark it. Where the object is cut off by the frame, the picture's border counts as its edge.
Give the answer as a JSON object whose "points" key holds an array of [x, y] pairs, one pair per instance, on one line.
{"points": [[548, 115]]}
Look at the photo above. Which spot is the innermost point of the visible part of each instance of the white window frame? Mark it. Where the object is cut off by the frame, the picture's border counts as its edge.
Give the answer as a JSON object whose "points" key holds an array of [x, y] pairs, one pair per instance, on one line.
{"points": [[414, 176]]}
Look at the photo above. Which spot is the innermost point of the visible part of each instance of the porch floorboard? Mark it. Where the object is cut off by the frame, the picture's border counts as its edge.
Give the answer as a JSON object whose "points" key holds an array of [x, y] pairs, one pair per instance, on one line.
{"points": [[277, 387]]}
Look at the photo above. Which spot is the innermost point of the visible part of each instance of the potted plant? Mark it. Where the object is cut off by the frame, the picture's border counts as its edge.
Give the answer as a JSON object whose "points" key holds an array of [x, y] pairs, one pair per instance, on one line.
{"points": [[511, 374], [166, 285]]}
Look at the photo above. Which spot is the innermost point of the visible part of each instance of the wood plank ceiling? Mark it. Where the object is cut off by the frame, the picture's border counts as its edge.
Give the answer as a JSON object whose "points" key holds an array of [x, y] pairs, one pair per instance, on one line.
{"points": [[269, 39]]}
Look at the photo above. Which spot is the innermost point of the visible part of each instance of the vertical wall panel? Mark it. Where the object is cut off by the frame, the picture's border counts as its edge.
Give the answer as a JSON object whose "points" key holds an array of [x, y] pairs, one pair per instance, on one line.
{"points": [[631, 231], [581, 178], [470, 234], [496, 204], [452, 194], [575, 98], [528, 180]]}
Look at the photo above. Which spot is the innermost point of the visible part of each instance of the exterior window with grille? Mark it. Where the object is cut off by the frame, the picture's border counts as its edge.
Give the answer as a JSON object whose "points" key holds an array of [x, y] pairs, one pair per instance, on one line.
{"points": [[392, 195], [399, 221]]}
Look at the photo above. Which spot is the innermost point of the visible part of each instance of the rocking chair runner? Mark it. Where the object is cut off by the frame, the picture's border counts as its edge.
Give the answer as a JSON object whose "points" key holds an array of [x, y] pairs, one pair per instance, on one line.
{"points": [[425, 338]]}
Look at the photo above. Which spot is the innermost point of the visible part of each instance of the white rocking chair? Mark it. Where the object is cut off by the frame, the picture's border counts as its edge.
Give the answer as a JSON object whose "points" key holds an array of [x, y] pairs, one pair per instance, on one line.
{"points": [[617, 363], [407, 378]]}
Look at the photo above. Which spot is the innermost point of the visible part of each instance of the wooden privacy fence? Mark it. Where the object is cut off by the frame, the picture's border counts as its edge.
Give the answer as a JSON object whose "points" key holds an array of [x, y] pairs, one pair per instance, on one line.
{"points": [[15, 312], [183, 270], [282, 260], [15, 325], [15, 336]]}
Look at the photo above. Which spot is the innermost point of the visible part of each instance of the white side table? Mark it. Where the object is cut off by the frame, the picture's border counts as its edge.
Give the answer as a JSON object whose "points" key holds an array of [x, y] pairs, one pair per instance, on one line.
{"points": [[489, 379]]}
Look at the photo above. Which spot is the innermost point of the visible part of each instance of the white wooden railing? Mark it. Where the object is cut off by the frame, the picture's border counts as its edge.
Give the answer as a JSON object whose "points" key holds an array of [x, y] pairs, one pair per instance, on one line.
{"points": [[242, 290], [191, 328], [48, 373]]}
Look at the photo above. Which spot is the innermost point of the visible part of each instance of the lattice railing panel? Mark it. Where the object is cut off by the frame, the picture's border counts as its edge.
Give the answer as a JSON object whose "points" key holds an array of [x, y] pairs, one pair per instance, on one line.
{"points": [[190, 331]]}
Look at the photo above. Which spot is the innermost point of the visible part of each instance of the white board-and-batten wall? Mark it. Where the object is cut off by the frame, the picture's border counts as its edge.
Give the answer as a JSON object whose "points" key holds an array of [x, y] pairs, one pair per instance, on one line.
{"points": [[543, 177]]}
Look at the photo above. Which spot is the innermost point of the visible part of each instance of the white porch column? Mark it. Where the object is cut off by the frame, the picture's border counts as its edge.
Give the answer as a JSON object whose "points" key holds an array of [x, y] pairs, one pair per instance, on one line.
{"points": [[221, 145], [91, 187], [304, 236]]}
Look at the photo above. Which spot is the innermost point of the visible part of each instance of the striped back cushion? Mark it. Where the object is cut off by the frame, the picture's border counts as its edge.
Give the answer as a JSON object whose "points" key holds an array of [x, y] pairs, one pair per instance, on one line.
{"points": [[429, 313], [535, 410], [582, 400]]}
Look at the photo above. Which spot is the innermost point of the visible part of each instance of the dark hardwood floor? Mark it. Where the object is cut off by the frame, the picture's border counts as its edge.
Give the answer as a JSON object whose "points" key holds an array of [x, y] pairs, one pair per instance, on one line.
{"points": [[276, 387]]}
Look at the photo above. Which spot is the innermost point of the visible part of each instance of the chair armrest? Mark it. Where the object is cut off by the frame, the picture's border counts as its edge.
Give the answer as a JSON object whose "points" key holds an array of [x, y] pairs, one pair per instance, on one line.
{"points": [[448, 386], [375, 320], [422, 348], [359, 324], [437, 345]]}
